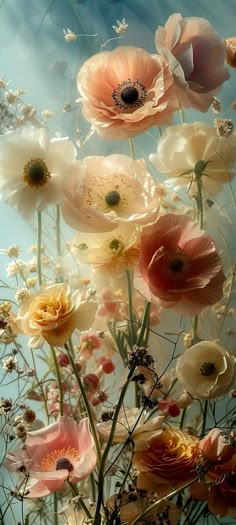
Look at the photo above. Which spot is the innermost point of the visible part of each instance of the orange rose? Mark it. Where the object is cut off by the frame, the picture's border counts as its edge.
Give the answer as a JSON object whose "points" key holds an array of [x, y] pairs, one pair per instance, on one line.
{"points": [[167, 461]]}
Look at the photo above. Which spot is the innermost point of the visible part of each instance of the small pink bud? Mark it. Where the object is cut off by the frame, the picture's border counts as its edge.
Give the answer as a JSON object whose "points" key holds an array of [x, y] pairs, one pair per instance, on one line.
{"points": [[91, 382], [63, 359]]}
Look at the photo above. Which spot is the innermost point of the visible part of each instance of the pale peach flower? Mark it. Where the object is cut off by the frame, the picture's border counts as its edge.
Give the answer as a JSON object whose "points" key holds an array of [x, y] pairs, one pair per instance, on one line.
{"points": [[126, 91], [179, 266], [112, 252], [132, 423], [214, 447], [206, 370], [53, 454], [102, 192], [191, 151], [195, 54], [167, 461], [230, 46], [53, 314], [32, 167]]}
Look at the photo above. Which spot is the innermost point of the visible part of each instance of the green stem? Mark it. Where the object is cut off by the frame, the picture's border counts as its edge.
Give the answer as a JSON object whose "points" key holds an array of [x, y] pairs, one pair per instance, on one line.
{"points": [[130, 307], [107, 449], [58, 230], [182, 116], [58, 376], [85, 400], [131, 146], [39, 243], [145, 323], [80, 502], [195, 338], [199, 203], [55, 508], [204, 422]]}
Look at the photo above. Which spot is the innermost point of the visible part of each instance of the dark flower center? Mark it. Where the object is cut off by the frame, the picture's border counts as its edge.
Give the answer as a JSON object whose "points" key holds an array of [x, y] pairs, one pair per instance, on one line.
{"points": [[176, 264], [207, 369], [36, 173], [64, 463], [112, 198], [114, 244], [129, 94]]}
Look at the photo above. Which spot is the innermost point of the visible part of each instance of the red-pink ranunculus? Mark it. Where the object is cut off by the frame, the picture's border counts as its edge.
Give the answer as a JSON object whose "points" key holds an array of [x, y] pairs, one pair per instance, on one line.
{"points": [[179, 265], [196, 55], [126, 91], [51, 455]]}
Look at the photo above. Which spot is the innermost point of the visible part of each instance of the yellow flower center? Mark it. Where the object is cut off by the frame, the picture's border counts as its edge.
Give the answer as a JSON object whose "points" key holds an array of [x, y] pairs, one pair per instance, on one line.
{"points": [[107, 196], [36, 173], [62, 458]]}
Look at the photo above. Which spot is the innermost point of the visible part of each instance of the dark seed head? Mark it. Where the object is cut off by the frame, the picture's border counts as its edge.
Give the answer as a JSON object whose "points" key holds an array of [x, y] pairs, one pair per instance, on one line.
{"points": [[129, 95], [64, 463]]}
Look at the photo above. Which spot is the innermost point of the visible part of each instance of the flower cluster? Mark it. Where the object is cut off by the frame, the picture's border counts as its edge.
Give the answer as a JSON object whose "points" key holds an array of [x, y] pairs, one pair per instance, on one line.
{"points": [[118, 331]]}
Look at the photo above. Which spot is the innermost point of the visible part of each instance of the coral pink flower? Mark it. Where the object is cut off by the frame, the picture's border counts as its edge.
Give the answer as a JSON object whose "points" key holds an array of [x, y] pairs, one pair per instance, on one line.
{"points": [[230, 46], [126, 91], [53, 454], [195, 54], [214, 447], [179, 266]]}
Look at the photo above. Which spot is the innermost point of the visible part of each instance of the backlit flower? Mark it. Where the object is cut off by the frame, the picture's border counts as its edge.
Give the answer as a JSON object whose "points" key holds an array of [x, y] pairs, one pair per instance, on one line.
{"points": [[102, 192], [112, 252], [195, 54], [230, 46], [214, 447], [206, 370], [32, 167], [191, 151], [126, 91], [167, 460], [51, 455], [179, 266], [53, 314]]}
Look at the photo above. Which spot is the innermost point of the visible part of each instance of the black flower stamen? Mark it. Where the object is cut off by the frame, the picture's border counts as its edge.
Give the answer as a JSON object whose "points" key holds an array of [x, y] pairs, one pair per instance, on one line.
{"points": [[129, 94]]}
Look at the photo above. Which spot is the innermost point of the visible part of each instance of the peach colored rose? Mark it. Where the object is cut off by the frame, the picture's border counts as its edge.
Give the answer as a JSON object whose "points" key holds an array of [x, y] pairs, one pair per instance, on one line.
{"points": [[179, 266], [51, 455], [126, 91], [102, 192], [214, 447], [53, 314], [195, 54], [167, 460], [230, 46]]}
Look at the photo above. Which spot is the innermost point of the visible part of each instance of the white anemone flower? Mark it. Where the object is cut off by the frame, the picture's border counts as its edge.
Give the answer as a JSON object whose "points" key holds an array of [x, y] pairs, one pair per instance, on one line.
{"points": [[206, 370], [102, 192], [32, 167], [188, 151]]}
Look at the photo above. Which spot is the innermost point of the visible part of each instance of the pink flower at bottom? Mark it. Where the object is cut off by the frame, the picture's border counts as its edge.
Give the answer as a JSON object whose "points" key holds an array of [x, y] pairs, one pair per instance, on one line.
{"points": [[179, 266], [60, 451]]}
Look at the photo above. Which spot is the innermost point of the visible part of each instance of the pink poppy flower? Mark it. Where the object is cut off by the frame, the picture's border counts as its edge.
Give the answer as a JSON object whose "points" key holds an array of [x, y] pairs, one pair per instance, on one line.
{"points": [[215, 448], [179, 266], [126, 91], [196, 55], [53, 454]]}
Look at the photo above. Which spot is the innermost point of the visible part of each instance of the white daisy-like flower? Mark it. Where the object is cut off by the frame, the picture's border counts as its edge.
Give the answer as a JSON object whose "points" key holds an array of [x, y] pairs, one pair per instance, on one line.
{"points": [[32, 167], [102, 192]]}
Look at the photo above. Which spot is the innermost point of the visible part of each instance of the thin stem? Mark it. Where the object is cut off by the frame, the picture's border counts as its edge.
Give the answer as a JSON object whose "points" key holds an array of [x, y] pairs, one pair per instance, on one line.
{"points": [[204, 422], [131, 146], [59, 381], [130, 306], [39, 243], [144, 323], [55, 508], [182, 116], [80, 502], [199, 203], [58, 230]]}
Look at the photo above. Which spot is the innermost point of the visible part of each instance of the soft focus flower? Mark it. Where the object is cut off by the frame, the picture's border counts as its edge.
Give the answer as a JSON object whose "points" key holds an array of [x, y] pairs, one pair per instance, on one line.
{"points": [[179, 266], [219, 493], [206, 370], [128, 506], [167, 460], [32, 167], [63, 450], [53, 314], [191, 151], [195, 54], [102, 192], [214, 447], [112, 252], [126, 91], [131, 423], [230, 46]]}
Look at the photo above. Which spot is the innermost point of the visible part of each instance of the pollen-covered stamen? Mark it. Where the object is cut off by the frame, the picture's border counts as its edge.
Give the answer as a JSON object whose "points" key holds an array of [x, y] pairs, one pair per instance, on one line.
{"points": [[129, 94], [36, 173], [116, 245], [62, 458], [64, 463], [112, 198], [207, 369]]}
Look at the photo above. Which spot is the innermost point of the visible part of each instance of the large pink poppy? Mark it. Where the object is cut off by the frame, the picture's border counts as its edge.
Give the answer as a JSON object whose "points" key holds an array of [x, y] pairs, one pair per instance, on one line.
{"points": [[196, 55], [126, 91], [179, 266], [60, 451]]}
